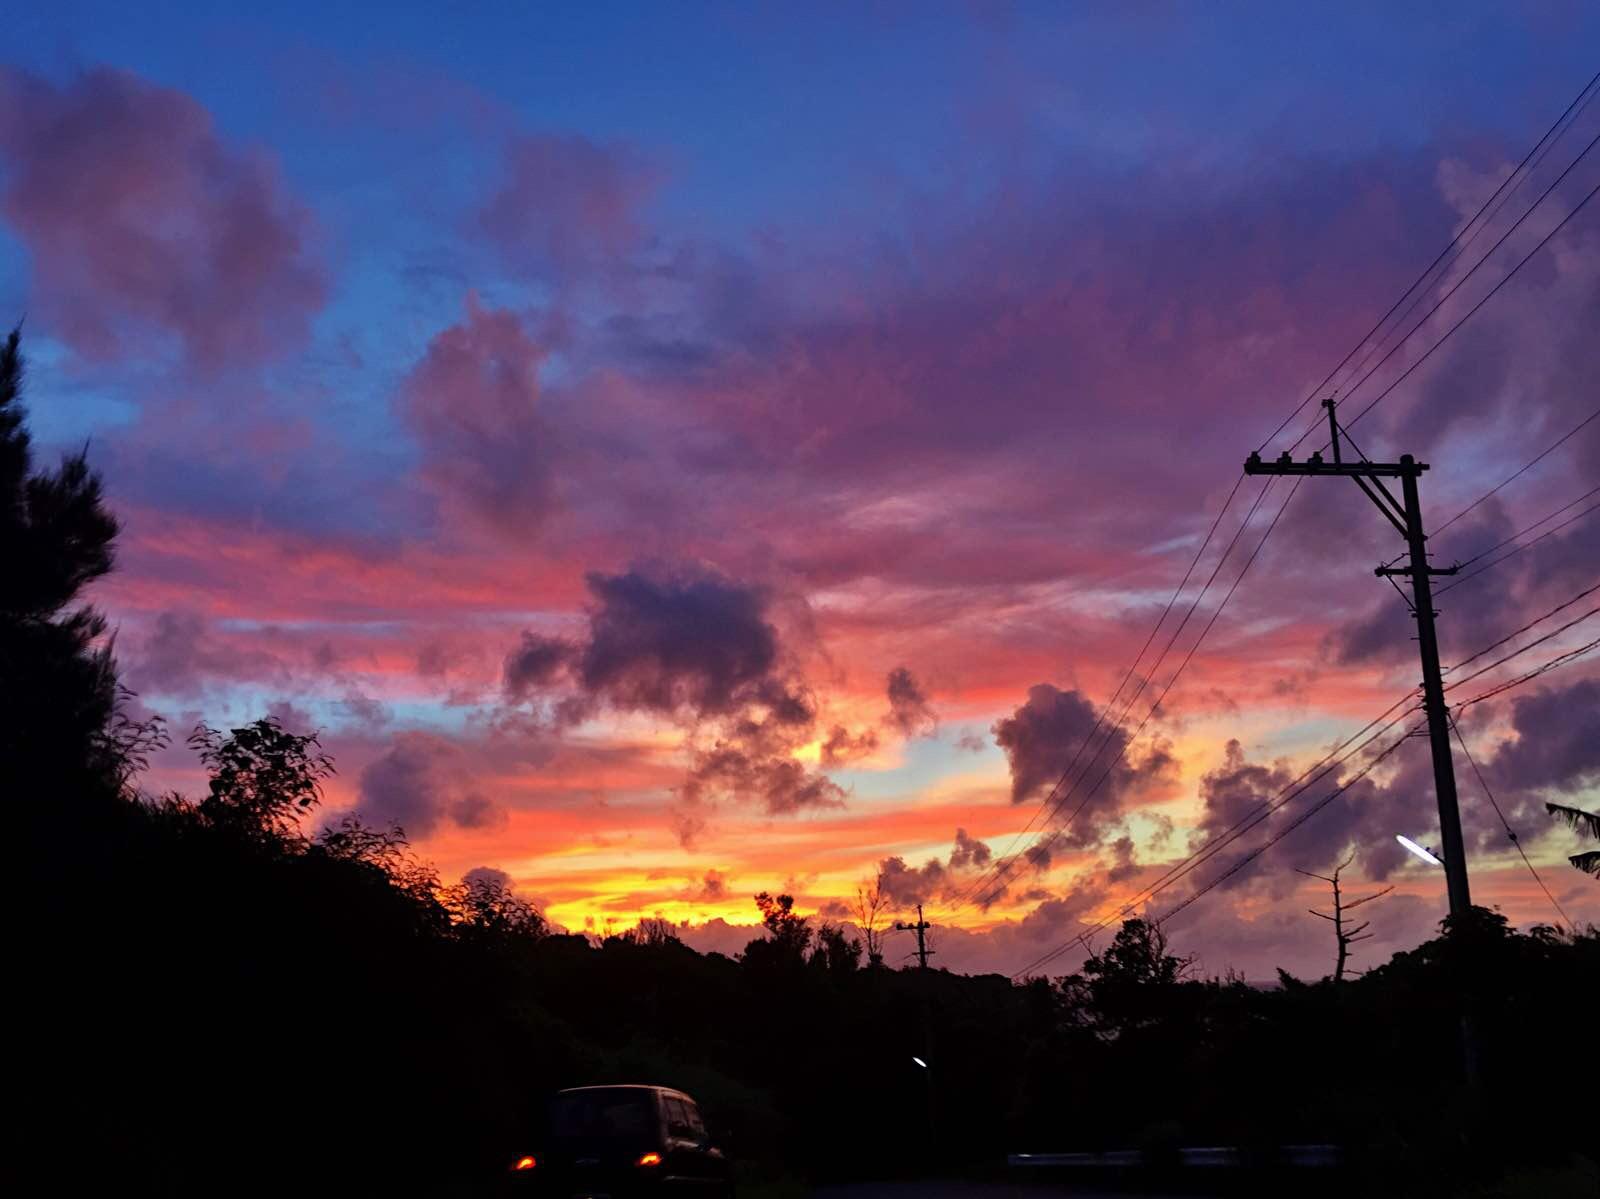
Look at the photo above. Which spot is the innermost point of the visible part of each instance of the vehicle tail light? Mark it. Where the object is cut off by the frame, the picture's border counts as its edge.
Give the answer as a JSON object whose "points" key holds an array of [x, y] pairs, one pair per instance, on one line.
{"points": [[650, 1159], [526, 1162]]}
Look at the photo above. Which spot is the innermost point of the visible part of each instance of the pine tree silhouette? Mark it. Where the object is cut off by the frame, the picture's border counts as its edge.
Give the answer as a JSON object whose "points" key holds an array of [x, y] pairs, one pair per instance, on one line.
{"points": [[57, 681]]}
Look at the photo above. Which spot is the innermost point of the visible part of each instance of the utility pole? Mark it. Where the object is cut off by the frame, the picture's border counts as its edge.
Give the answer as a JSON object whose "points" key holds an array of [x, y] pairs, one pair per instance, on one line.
{"points": [[921, 928], [1407, 519]]}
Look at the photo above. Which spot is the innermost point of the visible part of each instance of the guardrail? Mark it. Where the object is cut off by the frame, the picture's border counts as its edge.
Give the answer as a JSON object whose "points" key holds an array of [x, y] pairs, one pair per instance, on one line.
{"points": [[1207, 1158]]}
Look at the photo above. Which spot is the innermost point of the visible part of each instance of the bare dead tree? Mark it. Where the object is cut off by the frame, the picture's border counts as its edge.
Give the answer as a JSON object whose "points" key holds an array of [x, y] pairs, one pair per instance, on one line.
{"points": [[871, 903], [1345, 936]]}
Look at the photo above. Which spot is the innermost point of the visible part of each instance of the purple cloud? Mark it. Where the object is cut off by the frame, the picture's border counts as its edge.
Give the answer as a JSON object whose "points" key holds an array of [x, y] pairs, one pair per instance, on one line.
{"points": [[140, 219]]}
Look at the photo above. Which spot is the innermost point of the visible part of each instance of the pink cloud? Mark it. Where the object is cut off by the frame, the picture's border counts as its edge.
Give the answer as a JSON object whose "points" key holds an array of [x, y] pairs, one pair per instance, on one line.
{"points": [[473, 402], [566, 203], [141, 218]]}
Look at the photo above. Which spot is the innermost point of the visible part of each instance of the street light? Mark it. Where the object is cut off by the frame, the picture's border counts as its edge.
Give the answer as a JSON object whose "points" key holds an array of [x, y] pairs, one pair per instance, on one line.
{"points": [[1424, 854], [920, 1062]]}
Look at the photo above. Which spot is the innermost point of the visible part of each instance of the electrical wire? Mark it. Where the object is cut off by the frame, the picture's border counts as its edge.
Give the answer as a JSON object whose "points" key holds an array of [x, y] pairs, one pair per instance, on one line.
{"points": [[1307, 779], [1115, 695], [1215, 615], [1518, 652], [1471, 312], [1518, 632], [1579, 102], [1587, 91], [1460, 245], [1560, 660], [1571, 655], [1525, 175], [1506, 824], [1294, 824], [1515, 475], [1550, 532]]}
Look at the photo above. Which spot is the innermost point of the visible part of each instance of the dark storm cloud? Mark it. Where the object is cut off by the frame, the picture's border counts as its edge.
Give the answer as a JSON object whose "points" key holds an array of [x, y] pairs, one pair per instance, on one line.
{"points": [[421, 784], [781, 785], [934, 879], [1124, 865], [969, 851], [679, 640], [474, 811], [180, 656], [909, 709], [906, 885], [1047, 735], [1041, 736], [1364, 816], [842, 747], [535, 662], [1557, 742], [692, 645], [1233, 791], [184, 653]]}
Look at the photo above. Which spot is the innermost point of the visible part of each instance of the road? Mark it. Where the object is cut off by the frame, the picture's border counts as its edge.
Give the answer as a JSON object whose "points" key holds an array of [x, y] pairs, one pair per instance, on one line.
{"points": [[964, 1190]]}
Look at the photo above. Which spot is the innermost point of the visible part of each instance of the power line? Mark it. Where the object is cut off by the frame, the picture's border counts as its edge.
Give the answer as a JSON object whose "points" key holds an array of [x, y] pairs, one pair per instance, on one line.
{"points": [[1550, 532], [1586, 97], [1517, 652], [1471, 312], [1588, 90], [1530, 528], [1506, 824], [1296, 823], [1007, 862], [1485, 223], [1171, 682], [1515, 475], [1518, 632], [1133, 666], [1003, 867], [1499, 545], [1563, 659], [1307, 778], [1571, 655]]}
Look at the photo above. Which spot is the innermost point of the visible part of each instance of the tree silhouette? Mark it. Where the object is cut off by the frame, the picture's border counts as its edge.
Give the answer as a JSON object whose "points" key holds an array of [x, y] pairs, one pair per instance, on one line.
{"points": [[1344, 935], [871, 903], [59, 686], [486, 907], [835, 951], [1585, 824], [1129, 985], [652, 932], [790, 931], [263, 778], [1137, 957]]}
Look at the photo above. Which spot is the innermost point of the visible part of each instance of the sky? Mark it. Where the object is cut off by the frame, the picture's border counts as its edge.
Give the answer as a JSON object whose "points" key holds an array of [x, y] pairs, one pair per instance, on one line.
{"points": [[675, 452]]}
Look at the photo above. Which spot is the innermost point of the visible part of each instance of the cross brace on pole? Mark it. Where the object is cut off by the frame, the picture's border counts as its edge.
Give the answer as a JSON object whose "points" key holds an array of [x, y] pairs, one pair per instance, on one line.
{"points": [[921, 928]]}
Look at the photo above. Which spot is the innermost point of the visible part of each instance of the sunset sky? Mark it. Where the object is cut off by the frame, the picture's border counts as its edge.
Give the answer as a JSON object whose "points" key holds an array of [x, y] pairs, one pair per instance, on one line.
{"points": [[677, 451]]}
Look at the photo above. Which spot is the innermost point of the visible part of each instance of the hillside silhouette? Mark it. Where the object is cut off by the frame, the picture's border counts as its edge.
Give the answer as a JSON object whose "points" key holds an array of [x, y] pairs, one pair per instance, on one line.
{"points": [[227, 986]]}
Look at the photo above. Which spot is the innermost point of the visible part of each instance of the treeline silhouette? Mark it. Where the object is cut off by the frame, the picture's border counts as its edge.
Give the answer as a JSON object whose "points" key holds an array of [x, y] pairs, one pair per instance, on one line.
{"points": [[215, 1000]]}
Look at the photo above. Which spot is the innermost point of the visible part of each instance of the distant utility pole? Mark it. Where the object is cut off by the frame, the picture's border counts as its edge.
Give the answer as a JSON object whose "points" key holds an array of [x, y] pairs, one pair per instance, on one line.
{"points": [[921, 928], [1407, 519], [1346, 937]]}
